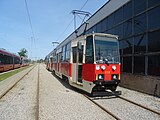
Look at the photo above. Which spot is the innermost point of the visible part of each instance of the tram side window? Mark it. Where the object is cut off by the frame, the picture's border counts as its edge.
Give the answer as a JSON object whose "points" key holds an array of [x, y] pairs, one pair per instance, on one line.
{"points": [[89, 50], [60, 57], [80, 51], [10, 60], [1, 59], [54, 57], [63, 57], [74, 50], [16, 60], [6, 59], [57, 58], [68, 48]]}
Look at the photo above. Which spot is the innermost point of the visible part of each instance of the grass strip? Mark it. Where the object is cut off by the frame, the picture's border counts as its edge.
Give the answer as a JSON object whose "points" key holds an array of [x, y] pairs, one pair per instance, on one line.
{"points": [[13, 72]]}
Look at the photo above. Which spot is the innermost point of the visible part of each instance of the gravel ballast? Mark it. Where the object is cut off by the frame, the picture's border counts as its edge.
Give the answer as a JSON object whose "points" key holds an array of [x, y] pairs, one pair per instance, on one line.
{"points": [[126, 110], [141, 98]]}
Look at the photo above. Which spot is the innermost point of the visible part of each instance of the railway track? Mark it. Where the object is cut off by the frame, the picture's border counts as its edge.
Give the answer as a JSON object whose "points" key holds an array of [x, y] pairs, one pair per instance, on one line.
{"points": [[104, 109], [144, 107], [115, 116], [16, 83], [37, 98]]}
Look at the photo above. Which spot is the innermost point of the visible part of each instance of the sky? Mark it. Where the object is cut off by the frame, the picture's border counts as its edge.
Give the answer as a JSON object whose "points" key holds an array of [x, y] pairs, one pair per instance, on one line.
{"points": [[49, 19]]}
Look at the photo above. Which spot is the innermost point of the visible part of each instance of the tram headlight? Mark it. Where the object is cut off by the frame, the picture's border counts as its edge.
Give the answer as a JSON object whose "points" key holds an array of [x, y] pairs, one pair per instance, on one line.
{"points": [[97, 67], [114, 76], [103, 67], [114, 67], [100, 77]]}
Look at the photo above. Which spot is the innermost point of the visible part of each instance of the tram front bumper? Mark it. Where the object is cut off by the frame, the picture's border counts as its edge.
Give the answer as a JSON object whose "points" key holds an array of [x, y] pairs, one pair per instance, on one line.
{"points": [[106, 82]]}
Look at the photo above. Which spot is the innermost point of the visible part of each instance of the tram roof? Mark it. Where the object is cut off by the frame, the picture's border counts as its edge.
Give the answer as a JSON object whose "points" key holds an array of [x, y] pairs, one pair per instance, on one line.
{"points": [[3, 51]]}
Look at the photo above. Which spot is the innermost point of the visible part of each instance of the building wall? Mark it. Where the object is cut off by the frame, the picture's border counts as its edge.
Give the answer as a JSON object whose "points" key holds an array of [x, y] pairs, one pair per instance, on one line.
{"points": [[145, 84], [137, 23]]}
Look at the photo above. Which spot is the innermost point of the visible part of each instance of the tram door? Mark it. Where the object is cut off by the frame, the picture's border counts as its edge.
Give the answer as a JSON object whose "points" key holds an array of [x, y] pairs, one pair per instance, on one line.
{"points": [[77, 55]]}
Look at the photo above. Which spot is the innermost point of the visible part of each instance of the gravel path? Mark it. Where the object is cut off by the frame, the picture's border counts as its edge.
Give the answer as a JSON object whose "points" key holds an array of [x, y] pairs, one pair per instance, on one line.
{"points": [[19, 102], [58, 102]]}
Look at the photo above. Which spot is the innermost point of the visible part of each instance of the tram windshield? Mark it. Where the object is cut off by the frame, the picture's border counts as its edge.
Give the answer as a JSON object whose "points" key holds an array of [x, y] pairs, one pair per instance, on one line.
{"points": [[106, 50]]}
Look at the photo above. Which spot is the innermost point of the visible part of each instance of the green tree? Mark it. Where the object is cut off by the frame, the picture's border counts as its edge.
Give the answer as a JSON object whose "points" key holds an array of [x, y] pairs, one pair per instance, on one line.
{"points": [[23, 52]]}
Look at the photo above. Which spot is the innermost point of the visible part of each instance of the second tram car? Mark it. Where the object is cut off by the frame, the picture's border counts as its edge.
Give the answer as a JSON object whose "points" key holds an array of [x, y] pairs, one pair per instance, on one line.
{"points": [[90, 62], [9, 61]]}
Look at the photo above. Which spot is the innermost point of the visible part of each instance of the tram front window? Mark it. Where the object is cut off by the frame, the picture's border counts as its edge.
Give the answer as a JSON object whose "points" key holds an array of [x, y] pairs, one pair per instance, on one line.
{"points": [[106, 50]]}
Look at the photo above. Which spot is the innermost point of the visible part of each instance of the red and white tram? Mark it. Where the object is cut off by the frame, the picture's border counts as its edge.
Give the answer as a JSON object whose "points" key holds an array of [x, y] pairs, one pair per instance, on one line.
{"points": [[9, 61], [89, 62]]}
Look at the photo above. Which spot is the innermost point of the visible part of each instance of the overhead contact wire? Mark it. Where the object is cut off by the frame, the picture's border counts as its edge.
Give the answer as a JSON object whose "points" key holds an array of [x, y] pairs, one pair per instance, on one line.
{"points": [[72, 21], [31, 26]]}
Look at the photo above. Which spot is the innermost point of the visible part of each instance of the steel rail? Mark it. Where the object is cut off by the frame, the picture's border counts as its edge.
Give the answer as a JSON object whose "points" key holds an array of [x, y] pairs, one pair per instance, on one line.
{"points": [[37, 98], [16, 83], [105, 110], [156, 112]]}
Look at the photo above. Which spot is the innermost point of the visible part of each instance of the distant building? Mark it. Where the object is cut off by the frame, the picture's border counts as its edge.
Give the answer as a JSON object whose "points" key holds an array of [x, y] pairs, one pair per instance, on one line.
{"points": [[137, 23]]}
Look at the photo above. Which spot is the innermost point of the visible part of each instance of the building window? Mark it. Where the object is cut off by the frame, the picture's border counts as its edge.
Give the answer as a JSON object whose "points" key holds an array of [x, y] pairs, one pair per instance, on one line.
{"points": [[152, 3], [140, 43], [94, 29], [121, 47], [99, 27], [139, 6], [154, 65], [127, 64], [127, 27], [118, 16], [104, 24], [111, 31], [154, 41], [110, 20], [154, 18], [140, 24], [139, 64], [89, 31], [127, 46], [127, 11], [119, 31]]}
